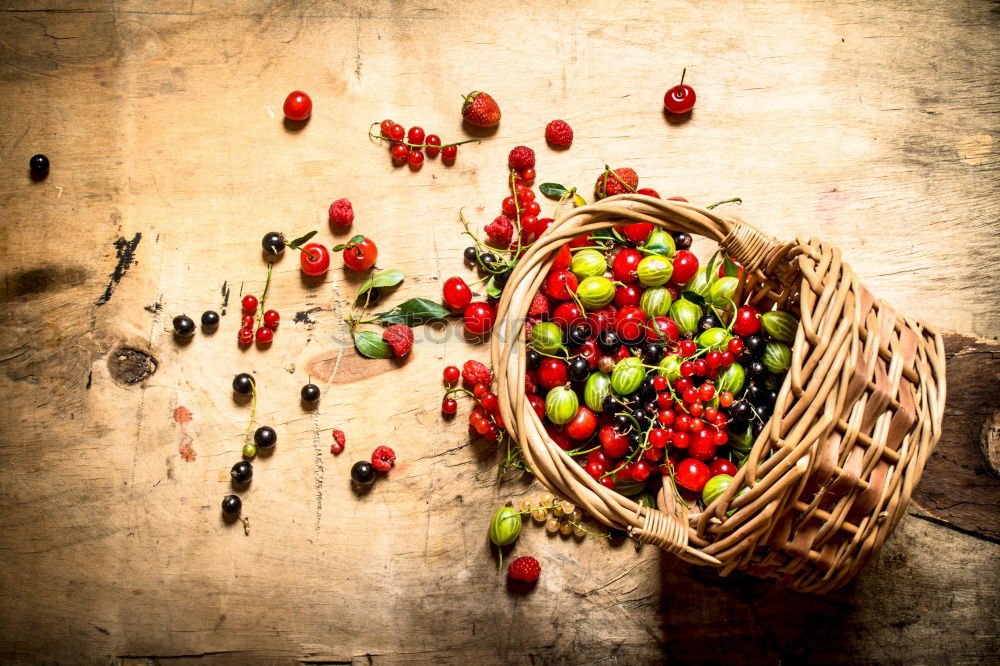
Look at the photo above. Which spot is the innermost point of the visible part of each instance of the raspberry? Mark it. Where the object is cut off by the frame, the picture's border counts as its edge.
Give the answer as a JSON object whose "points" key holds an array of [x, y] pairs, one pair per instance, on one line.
{"points": [[400, 338], [539, 306], [524, 569], [474, 372], [382, 458], [341, 213], [338, 441], [520, 158], [616, 181], [500, 230], [559, 133]]}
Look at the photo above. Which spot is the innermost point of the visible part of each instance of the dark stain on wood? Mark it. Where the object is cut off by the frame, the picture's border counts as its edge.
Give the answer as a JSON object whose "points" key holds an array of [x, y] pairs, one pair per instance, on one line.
{"points": [[125, 250], [129, 365], [225, 298], [33, 282], [303, 317]]}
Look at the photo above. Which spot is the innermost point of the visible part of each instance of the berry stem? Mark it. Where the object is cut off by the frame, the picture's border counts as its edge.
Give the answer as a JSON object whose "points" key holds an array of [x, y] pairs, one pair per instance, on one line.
{"points": [[418, 145], [263, 297], [735, 200], [253, 411], [683, 72]]}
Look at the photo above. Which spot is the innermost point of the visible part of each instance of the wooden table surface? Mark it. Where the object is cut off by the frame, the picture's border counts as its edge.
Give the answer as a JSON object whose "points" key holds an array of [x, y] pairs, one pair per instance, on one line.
{"points": [[872, 125]]}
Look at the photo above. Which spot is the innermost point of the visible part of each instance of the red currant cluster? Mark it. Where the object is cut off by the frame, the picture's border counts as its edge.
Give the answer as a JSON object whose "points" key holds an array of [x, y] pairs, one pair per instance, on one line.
{"points": [[485, 419], [254, 314], [410, 146]]}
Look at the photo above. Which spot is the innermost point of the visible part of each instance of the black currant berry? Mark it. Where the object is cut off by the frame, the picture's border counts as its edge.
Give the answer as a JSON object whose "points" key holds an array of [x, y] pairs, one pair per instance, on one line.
{"points": [[740, 411], [265, 437], [183, 326], [756, 394], [608, 402], [488, 260], [622, 422], [764, 411], [241, 471], [533, 360], [39, 165], [709, 321], [363, 473], [470, 254], [682, 240], [608, 342], [652, 352], [756, 369], [243, 384], [757, 429], [579, 369], [577, 335], [633, 439], [753, 346], [210, 319], [274, 242], [231, 505], [310, 393], [500, 279]]}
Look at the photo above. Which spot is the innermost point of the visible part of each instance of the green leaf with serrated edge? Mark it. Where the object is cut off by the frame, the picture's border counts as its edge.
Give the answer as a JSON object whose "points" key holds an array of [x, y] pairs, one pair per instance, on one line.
{"points": [[578, 200], [492, 290], [693, 297], [553, 190], [370, 344], [730, 267], [301, 240], [414, 312], [388, 278]]}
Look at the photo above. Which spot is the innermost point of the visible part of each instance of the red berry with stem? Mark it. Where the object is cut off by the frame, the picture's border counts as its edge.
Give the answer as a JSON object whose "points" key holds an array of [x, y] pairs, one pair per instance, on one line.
{"points": [[561, 285], [735, 346], [396, 132], [628, 294], [245, 336], [456, 294], [659, 383], [449, 153], [637, 232], [449, 406], [400, 152], [692, 474], [271, 318], [613, 443], [249, 303], [297, 106], [478, 318], [583, 424], [687, 348], [685, 266], [509, 207], [415, 135], [264, 335], [433, 142], [625, 264], [361, 255], [489, 401], [416, 159], [567, 314], [658, 438], [451, 374], [533, 208], [527, 175], [641, 470], [679, 99], [747, 321], [663, 328], [314, 259], [385, 127]]}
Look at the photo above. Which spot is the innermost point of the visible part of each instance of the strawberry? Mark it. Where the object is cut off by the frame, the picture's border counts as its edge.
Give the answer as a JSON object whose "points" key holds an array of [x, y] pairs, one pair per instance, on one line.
{"points": [[617, 181], [480, 109]]}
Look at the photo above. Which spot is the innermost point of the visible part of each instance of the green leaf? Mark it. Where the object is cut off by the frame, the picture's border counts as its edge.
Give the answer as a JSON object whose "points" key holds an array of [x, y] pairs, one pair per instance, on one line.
{"points": [[730, 267], [370, 344], [492, 290], [388, 278], [355, 240], [301, 240], [338, 248], [414, 312], [693, 296], [553, 190], [657, 248], [578, 200]]}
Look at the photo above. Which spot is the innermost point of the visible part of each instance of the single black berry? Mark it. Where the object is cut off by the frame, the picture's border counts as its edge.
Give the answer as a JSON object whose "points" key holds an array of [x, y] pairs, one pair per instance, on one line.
{"points": [[616, 534], [470, 254], [231, 505], [500, 279], [622, 422], [579, 369], [756, 369], [757, 429], [708, 321], [577, 335], [241, 471], [756, 394], [243, 384], [740, 411], [274, 242], [652, 352], [310, 393], [183, 326], [488, 261], [753, 346], [608, 402], [533, 360], [633, 439], [682, 240], [764, 410], [363, 473], [265, 437], [39, 165], [608, 342], [210, 319]]}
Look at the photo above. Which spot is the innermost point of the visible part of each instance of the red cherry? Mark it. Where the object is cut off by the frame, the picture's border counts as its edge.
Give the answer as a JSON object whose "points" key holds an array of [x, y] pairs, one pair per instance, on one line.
{"points": [[361, 256], [249, 304], [478, 318], [692, 474], [456, 293], [602, 319], [264, 335], [589, 351], [747, 320], [415, 135], [663, 327], [597, 457], [314, 259], [567, 314], [630, 323], [595, 470], [433, 142], [561, 285], [537, 404], [416, 159], [449, 153], [607, 482], [702, 447], [613, 444], [580, 241], [685, 266], [628, 294], [298, 106], [679, 99], [271, 319], [552, 373], [543, 224], [649, 192], [560, 438], [583, 424], [637, 232], [722, 466], [624, 265], [563, 257], [678, 199], [400, 152]]}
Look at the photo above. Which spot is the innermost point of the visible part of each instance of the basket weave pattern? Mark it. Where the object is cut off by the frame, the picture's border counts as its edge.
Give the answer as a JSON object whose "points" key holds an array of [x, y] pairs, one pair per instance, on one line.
{"points": [[856, 418]]}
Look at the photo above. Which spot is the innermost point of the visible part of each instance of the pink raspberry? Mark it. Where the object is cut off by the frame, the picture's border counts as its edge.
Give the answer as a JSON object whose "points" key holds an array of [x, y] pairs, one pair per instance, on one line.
{"points": [[520, 158], [341, 213], [559, 133], [524, 569], [500, 230], [400, 338], [539, 306], [474, 372], [338, 441], [383, 458]]}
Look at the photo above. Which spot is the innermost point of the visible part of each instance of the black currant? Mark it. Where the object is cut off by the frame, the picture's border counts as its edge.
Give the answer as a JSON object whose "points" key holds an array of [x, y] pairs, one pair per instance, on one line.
{"points": [[533, 360], [470, 254], [241, 471], [577, 335], [633, 437], [488, 261], [274, 242], [616, 534], [622, 422], [243, 383], [608, 342], [652, 352], [753, 345], [231, 505], [756, 369], [210, 319], [183, 326], [757, 429], [39, 165], [500, 279], [363, 473], [608, 402], [709, 321], [764, 411], [265, 437], [756, 394], [310, 393], [579, 369], [740, 411], [682, 240]]}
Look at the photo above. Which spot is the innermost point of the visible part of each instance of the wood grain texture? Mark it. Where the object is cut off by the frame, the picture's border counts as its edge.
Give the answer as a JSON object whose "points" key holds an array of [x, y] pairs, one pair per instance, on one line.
{"points": [[872, 125]]}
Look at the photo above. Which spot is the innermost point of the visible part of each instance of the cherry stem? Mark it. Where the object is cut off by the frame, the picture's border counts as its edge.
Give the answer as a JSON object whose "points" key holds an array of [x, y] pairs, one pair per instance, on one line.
{"points": [[683, 72]]}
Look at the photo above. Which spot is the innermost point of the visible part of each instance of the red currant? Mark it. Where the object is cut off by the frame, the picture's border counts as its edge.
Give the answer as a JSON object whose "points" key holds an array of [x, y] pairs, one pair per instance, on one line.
{"points": [[449, 153], [415, 135], [683, 383], [416, 159], [607, 481], [696, 409], [697, 425], [664, 399], [249, 303], [594, 469], [687, 348], [529, 224], [527, 175], [725, 399], [690, 395], [711, 413], [478, 317], [509, 207], [683, 422], [396, 132], [533, 208], [451, 374], [400, 153], [386, 127], [489, 401], [314, 259], [653, 455], [449, 406], [298, 106], [360, 256], [735, 346], [479, 389], [685, 266], [264, 335], [702, 448], [706, 391], [687, 369], [660, 383], [713, 359], [666, 416], [681, 440], [679, 99], [727, 359], [641, 471], [245, 336], [271, 319], [456, 293], [433, 142], [247, 320], [719, 438], [701, 367], [658, 438]]}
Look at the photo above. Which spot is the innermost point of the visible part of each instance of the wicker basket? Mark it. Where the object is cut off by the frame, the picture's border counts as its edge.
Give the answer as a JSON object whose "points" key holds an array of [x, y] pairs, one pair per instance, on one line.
{"points": [[856, 417]]}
